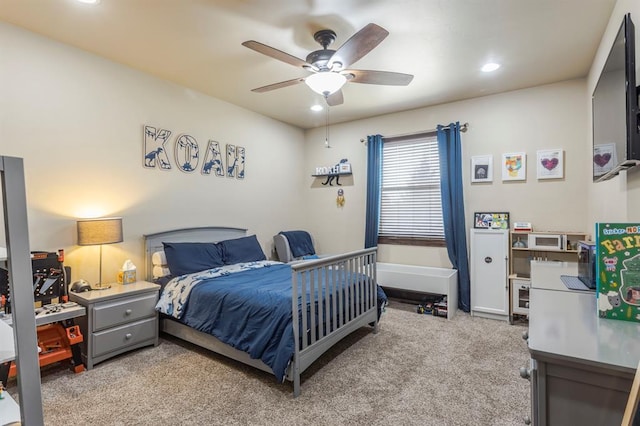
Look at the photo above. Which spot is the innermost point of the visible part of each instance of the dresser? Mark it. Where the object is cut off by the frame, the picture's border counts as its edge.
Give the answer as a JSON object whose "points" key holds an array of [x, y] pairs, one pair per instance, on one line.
{"points": [[581, 366], [119, 319]]}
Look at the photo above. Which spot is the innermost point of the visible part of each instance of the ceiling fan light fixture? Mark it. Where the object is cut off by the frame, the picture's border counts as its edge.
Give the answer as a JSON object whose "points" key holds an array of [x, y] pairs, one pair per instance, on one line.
{"points": [[325, 83]]}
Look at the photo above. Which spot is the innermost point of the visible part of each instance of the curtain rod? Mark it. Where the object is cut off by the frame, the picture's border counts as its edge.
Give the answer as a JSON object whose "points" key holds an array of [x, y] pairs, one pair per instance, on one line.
{"points": [[463, 128]]}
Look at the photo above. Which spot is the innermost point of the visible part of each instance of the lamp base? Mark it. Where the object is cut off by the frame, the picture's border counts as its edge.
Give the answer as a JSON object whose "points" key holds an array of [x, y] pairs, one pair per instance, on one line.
{"points": [[100, 286]]}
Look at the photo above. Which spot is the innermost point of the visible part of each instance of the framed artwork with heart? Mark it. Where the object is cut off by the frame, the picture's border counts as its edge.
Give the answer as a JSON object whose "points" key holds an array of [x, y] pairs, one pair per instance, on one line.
{"points": [[605, 158], [550, 164]]}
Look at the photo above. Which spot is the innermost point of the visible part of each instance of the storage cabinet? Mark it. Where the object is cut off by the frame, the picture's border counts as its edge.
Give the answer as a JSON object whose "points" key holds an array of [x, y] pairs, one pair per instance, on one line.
{"points": [[520, 296], [118, 320], [489, 263], [526, 246]]}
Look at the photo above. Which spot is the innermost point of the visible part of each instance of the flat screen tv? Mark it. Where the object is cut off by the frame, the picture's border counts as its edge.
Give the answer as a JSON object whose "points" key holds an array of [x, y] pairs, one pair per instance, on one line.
{"points": [[616, 140]]}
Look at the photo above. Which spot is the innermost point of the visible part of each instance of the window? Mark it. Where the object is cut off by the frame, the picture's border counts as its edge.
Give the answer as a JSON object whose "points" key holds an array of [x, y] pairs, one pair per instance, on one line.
{"points": [[410, 202]]}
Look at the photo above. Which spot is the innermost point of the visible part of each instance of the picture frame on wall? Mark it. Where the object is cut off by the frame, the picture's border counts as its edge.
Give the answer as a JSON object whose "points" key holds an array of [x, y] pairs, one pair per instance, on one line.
{"points": [[550, 164], [514, 166], [491, 220], [604, 158], [482, 168]]}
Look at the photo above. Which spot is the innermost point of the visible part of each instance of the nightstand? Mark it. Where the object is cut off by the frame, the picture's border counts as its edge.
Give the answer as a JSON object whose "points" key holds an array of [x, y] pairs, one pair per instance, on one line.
{"points": [[119, 319]]}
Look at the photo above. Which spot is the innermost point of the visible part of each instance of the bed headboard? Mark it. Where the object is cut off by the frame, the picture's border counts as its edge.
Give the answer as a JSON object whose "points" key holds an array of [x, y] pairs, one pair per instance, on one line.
{"points": [[207, 234]]}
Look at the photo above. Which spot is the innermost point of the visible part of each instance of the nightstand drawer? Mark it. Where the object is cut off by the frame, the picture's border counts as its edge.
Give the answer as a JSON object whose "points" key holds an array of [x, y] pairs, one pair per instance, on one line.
{"points": [[124, 336], [109, 314]]}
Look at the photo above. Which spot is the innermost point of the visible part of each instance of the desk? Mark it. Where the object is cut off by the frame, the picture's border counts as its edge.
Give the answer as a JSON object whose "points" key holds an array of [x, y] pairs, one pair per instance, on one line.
{"points": [[582, 366], [9, 410], [64, 315], [546, 275], [51, 317], [7, 348]]}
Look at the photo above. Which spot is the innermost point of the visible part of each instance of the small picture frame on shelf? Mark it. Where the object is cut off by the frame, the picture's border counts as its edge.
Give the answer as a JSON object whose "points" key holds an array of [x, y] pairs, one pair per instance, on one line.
{"points": [[499, 220], [345, 168]]}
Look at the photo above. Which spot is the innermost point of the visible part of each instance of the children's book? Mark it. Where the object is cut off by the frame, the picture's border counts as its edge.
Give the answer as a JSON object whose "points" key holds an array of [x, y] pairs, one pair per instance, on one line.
{"points": [[618, 270]]}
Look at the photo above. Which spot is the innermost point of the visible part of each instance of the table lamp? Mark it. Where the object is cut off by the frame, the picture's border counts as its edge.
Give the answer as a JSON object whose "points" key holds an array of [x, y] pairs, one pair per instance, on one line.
{"points": [[92, 232]]}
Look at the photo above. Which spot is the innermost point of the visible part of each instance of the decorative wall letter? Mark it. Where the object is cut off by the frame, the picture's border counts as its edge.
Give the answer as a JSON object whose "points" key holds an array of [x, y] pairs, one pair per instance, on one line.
{"points": [[213, 160], [187, 153], [240, 156], [232, 161], [154, 150]]}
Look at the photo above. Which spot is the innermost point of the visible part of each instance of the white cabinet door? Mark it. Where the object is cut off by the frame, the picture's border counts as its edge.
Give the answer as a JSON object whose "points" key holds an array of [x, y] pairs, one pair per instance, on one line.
{"points": [[489, 285]]}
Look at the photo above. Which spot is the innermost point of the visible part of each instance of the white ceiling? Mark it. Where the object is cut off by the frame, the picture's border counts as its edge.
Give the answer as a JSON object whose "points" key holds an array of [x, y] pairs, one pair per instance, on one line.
{"points": [[443, 43]]}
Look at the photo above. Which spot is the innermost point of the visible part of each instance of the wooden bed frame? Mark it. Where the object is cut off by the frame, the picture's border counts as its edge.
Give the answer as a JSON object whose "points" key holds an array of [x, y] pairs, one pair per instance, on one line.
{"points": [[347, 314]]}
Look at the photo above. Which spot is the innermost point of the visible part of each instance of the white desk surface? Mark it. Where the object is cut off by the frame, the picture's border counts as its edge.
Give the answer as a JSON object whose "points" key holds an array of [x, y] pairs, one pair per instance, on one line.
{"points": [[546, 275], [47, 317], [9, 410], [7, 347], [565, 324]]}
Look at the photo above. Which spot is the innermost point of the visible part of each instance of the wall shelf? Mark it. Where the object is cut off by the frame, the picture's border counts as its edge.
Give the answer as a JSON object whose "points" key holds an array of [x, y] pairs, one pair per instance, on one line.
{"points": [[332, 174], [330, 177]]}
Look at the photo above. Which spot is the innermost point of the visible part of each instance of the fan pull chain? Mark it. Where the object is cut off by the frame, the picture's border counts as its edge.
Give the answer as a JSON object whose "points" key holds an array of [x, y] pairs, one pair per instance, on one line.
{"points": [[326, 135]]}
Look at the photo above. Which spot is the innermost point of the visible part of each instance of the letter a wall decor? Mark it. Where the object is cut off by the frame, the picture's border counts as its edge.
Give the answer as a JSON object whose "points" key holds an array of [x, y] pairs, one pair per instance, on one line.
{"points": [[213, 160]]}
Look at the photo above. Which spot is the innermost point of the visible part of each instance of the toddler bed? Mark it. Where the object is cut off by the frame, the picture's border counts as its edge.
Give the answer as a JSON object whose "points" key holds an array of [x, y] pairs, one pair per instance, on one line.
{"points": [[276, 317]]}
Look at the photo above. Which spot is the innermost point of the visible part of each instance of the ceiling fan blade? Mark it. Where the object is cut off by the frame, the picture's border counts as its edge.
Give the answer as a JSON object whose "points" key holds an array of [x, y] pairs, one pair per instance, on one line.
{"points": [[335, 98], [275, 53], [380, 77], [359, 45], [280, 85]]}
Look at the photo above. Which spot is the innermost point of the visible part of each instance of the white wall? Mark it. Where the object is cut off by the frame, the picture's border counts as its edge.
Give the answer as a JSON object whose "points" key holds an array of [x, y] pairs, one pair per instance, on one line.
{"points": [[545, 117], [77, 121], [616, 200]]}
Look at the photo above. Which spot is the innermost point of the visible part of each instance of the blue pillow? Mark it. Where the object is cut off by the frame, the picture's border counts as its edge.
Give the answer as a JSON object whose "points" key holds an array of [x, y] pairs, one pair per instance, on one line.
{"points": [[245, 249], [187, 258]]}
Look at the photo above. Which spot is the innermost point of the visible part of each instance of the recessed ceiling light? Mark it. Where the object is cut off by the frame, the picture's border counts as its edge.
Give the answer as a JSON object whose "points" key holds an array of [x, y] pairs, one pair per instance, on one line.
{"points": [[316, 108], [491, 66], [89, 1]]}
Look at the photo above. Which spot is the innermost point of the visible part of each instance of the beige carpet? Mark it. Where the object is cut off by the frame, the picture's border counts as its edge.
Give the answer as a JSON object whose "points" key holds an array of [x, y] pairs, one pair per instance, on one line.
{"points": [[418, 369]]}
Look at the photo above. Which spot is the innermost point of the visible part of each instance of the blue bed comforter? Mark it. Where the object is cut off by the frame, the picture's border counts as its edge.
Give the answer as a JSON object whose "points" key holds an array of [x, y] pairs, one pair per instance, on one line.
{"points": [[248, 310]]}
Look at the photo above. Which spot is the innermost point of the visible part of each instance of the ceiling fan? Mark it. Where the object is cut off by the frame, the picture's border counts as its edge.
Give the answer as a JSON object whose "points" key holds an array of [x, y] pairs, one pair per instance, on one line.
{"points": [[330, 67]]}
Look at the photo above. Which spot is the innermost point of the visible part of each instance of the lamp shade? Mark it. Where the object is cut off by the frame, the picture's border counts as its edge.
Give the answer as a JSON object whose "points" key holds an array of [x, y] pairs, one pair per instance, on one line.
{"points": [[325, 83], [99, 231]]}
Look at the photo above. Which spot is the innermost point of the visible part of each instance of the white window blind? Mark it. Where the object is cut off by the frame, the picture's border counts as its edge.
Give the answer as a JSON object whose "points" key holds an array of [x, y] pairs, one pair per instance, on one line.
{"points": [[411, 206]]}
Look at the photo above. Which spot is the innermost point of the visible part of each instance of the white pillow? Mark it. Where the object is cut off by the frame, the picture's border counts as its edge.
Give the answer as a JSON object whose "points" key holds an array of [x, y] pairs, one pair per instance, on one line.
{"points": [[160, 271], [159, 261]]}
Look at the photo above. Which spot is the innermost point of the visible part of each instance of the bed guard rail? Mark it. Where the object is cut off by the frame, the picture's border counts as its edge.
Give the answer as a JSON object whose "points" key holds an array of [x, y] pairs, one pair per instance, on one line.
{"points": [[335, 290]]}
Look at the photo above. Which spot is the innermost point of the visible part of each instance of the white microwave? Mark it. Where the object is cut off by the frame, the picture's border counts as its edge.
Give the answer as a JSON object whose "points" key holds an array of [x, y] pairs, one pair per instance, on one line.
{"points": [[545, 241]]}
